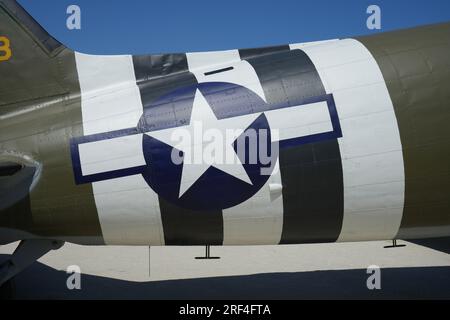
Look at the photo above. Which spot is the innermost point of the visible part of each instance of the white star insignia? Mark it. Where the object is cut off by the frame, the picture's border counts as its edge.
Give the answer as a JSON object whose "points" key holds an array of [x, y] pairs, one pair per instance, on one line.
{"points": [[213, 148]]}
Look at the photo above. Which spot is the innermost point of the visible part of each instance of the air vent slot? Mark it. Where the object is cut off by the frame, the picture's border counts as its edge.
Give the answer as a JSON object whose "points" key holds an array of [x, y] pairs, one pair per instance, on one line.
{"points": [[218, 71]]}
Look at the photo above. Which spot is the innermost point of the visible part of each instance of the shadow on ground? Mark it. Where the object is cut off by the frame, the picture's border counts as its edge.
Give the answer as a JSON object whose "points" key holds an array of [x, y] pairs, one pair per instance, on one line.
{"points": [[43, 282], [439, 244]]}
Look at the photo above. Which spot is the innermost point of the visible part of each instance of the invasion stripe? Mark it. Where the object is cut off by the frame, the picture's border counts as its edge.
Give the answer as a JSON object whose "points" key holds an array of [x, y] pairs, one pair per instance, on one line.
{"points": [[158, 75], [370, 145], [311, 174], [415, 65], [257, 220], [110, 100]]}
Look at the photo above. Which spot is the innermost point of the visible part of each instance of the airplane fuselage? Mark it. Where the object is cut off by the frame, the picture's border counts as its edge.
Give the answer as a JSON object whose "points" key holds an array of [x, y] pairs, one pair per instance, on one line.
{"points": [[340, 140]]}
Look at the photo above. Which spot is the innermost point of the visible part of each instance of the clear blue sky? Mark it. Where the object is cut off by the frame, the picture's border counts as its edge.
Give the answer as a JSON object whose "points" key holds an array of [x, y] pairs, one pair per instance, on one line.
{"points": [[146, 26]]}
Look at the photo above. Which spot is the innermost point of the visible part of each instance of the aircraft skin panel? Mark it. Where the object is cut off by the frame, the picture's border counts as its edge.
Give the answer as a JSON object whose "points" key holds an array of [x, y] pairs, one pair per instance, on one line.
{"points": [[263, 218], [362, 126], [373, 201], [121, 152], [242, 73], [211, 60], [416, 69], [262, 222], [311, 202], [256, 52], [138, 224], [180, 225], [110, 100]]}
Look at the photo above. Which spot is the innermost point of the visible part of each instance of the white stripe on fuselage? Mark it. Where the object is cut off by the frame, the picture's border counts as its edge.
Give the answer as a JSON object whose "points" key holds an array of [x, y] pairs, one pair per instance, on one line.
{"points": [[128, 208], [370, 146]]}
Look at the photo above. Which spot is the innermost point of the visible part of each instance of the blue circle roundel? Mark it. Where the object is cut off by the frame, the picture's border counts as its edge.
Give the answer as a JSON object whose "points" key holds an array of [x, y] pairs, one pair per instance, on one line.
{"points": [[206, 146]]}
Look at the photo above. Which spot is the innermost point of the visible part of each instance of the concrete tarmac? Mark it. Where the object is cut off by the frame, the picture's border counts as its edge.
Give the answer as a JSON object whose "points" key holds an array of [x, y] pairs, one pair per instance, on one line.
{"points": [[310, 271]]}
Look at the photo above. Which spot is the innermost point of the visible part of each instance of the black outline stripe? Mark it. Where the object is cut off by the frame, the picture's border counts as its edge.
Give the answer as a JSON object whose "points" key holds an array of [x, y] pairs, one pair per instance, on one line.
{"points": [[254, 52], [422, 113], [311, 173]]}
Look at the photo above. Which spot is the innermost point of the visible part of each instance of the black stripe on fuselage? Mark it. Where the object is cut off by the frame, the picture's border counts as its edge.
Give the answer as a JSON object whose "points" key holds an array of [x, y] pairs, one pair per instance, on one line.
{"points": [[158, 75], [254, 52], [311, 173]]}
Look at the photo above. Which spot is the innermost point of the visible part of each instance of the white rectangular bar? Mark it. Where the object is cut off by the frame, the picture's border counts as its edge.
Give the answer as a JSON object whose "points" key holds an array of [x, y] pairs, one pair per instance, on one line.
{"points": [[370, 147], [112, 154], [299, 121]]}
